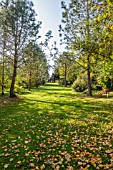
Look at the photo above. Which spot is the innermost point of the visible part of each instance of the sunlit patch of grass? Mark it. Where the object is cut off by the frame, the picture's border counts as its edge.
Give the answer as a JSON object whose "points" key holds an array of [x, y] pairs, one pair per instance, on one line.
{"points": [[56, 128]]}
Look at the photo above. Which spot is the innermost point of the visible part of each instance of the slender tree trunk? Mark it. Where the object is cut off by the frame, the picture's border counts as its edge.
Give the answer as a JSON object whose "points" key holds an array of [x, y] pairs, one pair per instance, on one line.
{"points": [[12, 93], [89, 80], [29, 83], [88, 57], [3, 65], [65, 75], [112, 82], [3, 74]]}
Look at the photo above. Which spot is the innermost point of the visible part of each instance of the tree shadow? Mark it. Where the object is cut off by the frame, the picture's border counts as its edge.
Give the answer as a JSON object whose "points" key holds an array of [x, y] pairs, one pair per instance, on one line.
{"points": [[72, 110]]}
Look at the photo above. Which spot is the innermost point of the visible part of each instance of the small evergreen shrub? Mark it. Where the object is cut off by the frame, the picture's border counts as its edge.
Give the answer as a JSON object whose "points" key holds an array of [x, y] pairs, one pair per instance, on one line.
{"points": [[79, 85]]}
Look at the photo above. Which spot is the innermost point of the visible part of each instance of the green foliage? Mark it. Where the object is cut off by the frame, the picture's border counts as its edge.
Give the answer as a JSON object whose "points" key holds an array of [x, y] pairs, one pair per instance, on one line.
{"points": [[62, 68], [87, 30], [19, 89], [105, 82], [35, 65], [19, 22], [79, 85]]}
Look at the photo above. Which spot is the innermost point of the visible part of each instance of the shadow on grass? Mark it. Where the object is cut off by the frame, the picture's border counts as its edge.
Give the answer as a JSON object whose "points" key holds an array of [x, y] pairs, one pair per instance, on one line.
{"points": [[73, 109], [64, 111], [80, 108]]}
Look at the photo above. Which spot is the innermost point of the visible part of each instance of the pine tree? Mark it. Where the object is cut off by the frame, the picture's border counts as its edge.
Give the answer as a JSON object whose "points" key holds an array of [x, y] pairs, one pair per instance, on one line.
{"points": [[22, 28]]}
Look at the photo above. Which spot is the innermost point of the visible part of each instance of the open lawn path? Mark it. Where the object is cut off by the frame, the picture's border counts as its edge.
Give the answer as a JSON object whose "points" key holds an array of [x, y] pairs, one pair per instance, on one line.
{"points": [[54, 128]]}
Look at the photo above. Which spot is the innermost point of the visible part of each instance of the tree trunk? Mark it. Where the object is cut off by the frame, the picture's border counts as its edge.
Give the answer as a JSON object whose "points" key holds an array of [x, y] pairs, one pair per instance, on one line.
{"points": [[3, 65], [89, 81], [29, 83], [2, 89], [88, 57], [12, 93], [3, 75], [65, 82]]}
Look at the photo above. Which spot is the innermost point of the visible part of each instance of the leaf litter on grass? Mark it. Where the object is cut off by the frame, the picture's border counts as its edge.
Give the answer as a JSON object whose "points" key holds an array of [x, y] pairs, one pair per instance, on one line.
{"points": [[54, 136]]}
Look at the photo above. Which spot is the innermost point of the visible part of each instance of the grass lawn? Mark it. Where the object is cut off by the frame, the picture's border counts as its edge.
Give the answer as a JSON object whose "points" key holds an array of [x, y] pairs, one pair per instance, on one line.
{"points": [[54, 128]]}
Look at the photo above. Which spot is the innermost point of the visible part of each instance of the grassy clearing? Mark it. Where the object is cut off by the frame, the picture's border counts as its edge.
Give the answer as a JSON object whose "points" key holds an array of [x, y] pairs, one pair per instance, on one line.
{"points": [[54, 128]]}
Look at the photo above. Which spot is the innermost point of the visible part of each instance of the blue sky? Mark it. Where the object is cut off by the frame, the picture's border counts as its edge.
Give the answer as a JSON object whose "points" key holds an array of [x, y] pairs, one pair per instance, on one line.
{"points": [[50, 13]]}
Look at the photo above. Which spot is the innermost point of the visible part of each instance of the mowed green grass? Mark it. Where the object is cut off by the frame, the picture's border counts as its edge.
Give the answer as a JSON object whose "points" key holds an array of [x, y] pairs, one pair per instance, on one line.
{"points": [[56, 128]]}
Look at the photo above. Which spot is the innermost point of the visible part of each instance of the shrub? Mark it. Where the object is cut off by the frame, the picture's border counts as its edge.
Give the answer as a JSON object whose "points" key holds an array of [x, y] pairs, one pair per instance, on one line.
{"points": [[19, 89], [85, 91], [79, 85]]}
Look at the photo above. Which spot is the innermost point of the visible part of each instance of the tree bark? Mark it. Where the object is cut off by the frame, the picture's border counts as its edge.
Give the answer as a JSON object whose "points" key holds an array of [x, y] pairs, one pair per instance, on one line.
{"points": [[29, 83], [3, 75], [3, 65], [65, 83], [88, 57], [89, 81], [12, 93], [2, 89]]}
